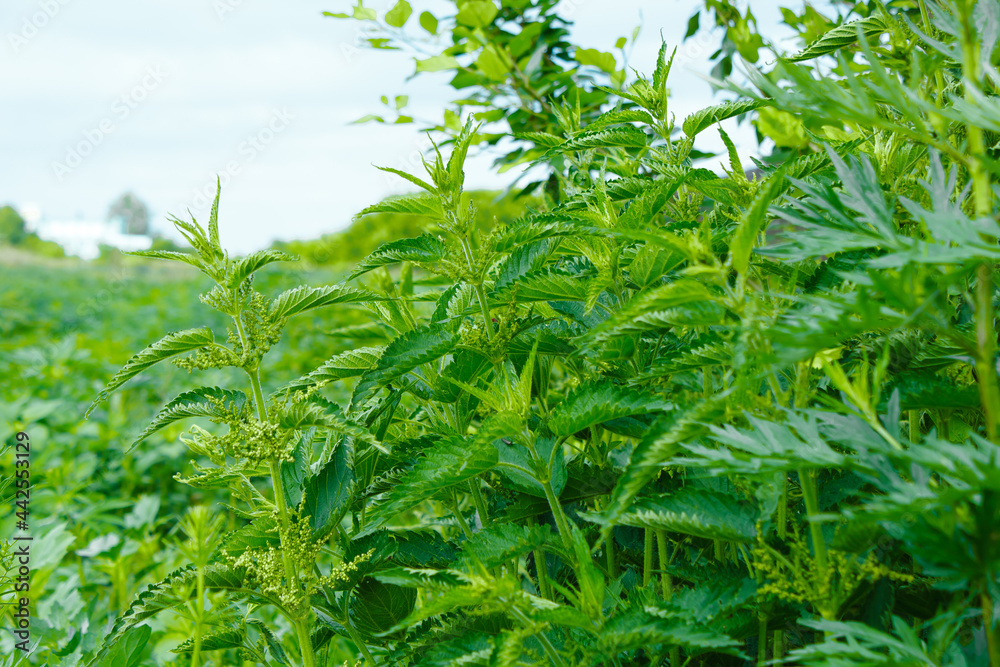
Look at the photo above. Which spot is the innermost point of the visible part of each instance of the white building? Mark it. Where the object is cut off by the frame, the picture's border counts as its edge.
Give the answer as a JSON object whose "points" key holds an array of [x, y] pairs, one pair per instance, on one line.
{"points": [[84, 238]]}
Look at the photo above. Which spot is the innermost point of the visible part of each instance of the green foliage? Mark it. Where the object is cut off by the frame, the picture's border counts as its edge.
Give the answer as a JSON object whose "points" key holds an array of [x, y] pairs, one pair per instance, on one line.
{"points": [[667, 417]]}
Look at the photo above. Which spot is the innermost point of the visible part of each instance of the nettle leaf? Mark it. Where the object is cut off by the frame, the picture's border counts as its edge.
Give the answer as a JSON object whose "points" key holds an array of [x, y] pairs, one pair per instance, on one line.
{"points": [[680, 302], [211, 402], [545, 285], [841, 36], [754, 220], [638, 629], [518, 466], [595, 403], [128, 651], [273, 645], [426, 205], [701, 120], [186, 257], [163, 595], [329, 493], [422, 249], [214, 641], [450, 461], [469, 648], [465, 366], [552, 224], [260, 534], [657, 449], [524, 260], [625, 136], [351, 363], [766, 447], [379, 607], [502, 543], [169, 346], [404, 354], [696, 512], [543, 139], [244, 268], [651, 200], [302, 299], [619, 117]]}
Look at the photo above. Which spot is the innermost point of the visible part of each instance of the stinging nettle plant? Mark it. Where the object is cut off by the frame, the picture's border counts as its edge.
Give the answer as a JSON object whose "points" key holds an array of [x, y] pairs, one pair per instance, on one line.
{"points": [[671, 417]]}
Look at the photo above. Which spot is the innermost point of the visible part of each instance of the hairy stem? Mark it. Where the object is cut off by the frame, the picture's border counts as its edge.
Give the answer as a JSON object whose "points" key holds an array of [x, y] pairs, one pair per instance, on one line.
{"points": [[541, 568], [477, 498], [647, 558], [301, 620], [986, 336], [992, 643], [356, 638], [200, 613]]}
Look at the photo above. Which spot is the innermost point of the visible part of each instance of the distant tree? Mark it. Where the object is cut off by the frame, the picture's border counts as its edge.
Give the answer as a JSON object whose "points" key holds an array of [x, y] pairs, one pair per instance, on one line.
{"points": [[11, 226], [133, 211]]}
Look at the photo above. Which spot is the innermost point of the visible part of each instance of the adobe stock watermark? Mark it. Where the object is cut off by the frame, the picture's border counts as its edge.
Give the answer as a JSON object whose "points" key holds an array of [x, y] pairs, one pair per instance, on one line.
{"points": [[35, 23], [247, 151], [121, 109], [224, 7]]}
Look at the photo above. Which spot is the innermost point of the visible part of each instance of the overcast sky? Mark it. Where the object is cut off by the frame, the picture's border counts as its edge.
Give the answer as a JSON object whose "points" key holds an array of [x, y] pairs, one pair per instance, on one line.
{"points": [[159, 96]]}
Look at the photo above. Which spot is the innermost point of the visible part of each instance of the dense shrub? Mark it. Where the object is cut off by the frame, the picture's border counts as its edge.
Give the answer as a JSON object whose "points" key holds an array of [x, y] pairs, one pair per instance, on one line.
{"points": [[632, 427]]}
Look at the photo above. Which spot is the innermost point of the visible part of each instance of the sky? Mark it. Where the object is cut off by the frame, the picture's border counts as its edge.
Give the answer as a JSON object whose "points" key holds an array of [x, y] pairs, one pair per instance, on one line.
{"points": [[160, 97]]}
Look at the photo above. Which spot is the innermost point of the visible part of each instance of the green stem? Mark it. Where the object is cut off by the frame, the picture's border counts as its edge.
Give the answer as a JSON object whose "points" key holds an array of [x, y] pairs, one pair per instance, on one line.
{"points": [[811, 498], [986, 336], [200, 614], [356, 638], [761, 639], [609, 550], [458, 516], [647, 558], [989, 394], [562, 523], [547, 646], [301, 621], [779, 645], [661, 549], [992, 641], [484, 306], [477, 497], [913, 418], [938, 77], [783, 507], [541, 568]]}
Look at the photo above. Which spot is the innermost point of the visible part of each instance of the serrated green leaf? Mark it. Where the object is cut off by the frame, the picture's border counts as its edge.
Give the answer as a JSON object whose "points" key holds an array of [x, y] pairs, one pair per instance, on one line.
{"points": [[328, 494], [245, 267], [701, 120], [696, 512], [211, 402], [599, 402], [214, 641], [404, 354], [378, 607], [426, 205], [625, 136], [502, 543], [169, 346], [841, 36], [351, 363], [753, 220], [301, 299], [128, 651], [545, 285], [422, 249]]}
